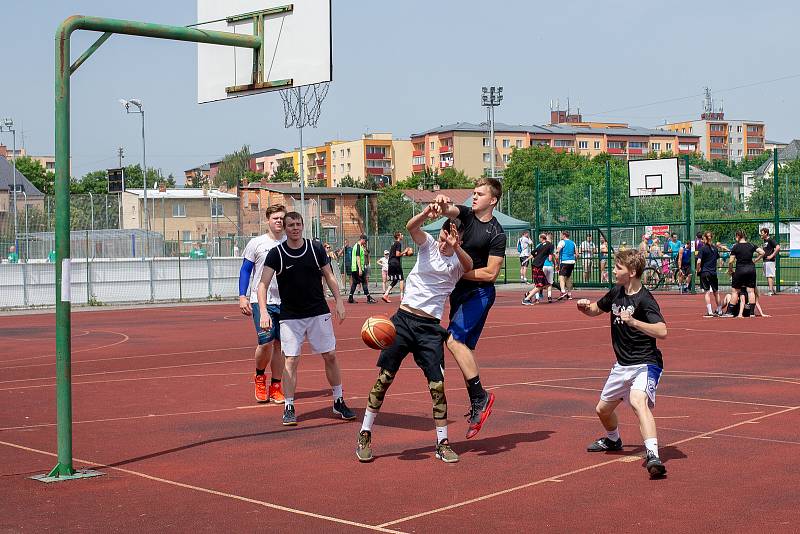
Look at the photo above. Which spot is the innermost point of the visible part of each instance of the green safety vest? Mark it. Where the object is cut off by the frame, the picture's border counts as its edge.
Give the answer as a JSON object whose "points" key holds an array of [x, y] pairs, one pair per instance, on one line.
{"points": [[358, 250]]}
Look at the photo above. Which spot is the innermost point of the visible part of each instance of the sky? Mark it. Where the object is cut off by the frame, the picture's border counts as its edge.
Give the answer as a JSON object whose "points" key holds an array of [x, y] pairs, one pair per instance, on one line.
{"points": [[405, 67]]}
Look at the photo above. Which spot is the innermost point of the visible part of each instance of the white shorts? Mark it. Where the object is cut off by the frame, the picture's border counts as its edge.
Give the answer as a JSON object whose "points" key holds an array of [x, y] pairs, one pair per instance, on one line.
{"points": [[624, 378], [319, 331], [548, 272], [769, 269]]}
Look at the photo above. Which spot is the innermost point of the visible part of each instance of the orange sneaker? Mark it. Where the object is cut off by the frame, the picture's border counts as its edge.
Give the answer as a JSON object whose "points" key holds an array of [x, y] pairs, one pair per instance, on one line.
{"points": [[261, 388], [275, 393]]}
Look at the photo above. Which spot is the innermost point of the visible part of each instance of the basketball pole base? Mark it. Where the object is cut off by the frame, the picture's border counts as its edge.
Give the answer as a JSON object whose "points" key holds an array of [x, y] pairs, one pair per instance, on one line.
{"points": [[55, 474]]}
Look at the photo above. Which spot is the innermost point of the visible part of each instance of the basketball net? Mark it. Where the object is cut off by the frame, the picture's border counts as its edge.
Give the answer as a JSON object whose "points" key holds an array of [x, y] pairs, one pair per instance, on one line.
{"points": [[302, 106]]}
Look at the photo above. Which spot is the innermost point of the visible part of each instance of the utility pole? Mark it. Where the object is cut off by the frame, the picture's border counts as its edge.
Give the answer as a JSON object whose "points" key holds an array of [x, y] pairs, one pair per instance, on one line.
{"points": [[121, 154], [9, 127], [491, 98]]}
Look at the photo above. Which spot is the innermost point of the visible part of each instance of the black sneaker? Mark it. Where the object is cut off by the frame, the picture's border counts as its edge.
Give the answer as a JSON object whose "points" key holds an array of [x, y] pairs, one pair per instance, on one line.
{"points": [[371, 300], [340, 408], [654, 466], [350, 300], [549, 300], [364, 447], [479, 412], [289, 417], [605, 445]]}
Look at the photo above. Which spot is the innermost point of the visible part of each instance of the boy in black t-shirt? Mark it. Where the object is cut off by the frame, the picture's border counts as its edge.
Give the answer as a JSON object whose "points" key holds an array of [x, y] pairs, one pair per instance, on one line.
{"points": [[542, 253], [636, 323]]}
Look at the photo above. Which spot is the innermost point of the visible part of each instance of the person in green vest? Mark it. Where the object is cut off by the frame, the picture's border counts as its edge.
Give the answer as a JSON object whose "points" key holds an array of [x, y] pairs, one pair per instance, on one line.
{"points": [[358, 265], [197, 253], [51, 257], [13, 257]]}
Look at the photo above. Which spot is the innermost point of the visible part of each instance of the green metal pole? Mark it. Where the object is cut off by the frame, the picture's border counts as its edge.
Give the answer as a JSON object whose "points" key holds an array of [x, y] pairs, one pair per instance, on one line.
{"points": [[777, 221], [536, 214], [690, 222], [610, 262]]}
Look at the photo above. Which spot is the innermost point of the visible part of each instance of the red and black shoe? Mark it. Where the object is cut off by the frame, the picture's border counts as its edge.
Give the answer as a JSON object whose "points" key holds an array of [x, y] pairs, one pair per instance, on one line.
{"points": [[480, 411]]}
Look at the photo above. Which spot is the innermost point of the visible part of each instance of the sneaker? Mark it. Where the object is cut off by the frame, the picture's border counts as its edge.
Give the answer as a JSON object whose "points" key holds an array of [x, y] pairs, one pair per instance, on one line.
{"points": [[261, 388], [276, 393], [340, 408], [364, 449], [654, 466], [371, 300], [289, 418], [569, 296], [478, 414], [726, 315], [707, 315], [526, 302], [605, 445], [549, 300], [562, 296], [350, 300], [445, 453], [384, 298]]}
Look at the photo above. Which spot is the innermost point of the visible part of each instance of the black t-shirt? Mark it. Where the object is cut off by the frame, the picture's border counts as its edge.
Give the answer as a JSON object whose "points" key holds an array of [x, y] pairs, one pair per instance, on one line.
{"points": [[743, 252], [769, 248], [631, 346], [298, 272], [394, 260], [708, 256], [480, 240], [543, 250]]}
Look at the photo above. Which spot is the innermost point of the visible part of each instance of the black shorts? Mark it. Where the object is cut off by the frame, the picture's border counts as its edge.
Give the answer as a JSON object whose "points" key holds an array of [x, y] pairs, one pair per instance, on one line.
{"points": [[539, 278], [566, 269], [741, 280], [421, 336], [709, 282], [395, 271], [686, 269]]}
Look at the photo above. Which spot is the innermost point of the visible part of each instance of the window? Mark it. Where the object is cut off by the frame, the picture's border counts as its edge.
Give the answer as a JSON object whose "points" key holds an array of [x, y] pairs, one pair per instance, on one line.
{"points": [[506, 143], [348, 167], [179, 210], [431, 161], [341, 167], [583, 144], [328, 205], [519, 143], [485, 141], [615, 144], [253, 206], [740, 152], [216, 209], [341, 152], [597, 145], [186, 235], [505, 158], [333, 155], [669, 147], [637, 144], [418, 160], [50, 165], [348, 152], [563, 142], [655, 147], [431, 145], [487, 158]]}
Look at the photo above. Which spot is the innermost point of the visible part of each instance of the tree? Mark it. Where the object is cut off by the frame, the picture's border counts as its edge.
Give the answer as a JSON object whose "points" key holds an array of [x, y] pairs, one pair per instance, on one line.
{"points": [[36, 174], [285, 172], [233, 168], [394, 210]]}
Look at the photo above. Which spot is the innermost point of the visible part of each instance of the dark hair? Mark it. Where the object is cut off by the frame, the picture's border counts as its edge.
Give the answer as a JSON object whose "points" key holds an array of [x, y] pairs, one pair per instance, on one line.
{"points": [[764, 230], [494, 185], [275, 208], [565, 233], [294, 216], [740, 235], [450, 223], [398, 235], [363, 236]]}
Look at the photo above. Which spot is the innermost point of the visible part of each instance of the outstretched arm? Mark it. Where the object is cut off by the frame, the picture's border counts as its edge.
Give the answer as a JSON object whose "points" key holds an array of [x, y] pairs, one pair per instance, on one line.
{"points": [[445, 207], [488, 273], [589, 308], [414, 224]]}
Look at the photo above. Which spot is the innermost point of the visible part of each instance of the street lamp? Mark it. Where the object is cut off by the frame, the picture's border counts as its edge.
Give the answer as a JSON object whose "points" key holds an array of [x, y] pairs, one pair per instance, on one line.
{"points": [[490, 98], [8, 126], [140, 110]]}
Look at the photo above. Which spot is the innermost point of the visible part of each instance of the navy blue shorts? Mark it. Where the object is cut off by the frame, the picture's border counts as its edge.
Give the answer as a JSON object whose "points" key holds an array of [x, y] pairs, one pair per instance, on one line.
{"points": [[468, 311], [274, 333]]}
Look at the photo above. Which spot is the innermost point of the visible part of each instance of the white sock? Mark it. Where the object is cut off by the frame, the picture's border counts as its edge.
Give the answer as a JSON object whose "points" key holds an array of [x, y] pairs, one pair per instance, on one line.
{"points": [[289, 401], [337, 392], [651, 444], [369, 418], [441, 433], [708, 307], [613, 435]]}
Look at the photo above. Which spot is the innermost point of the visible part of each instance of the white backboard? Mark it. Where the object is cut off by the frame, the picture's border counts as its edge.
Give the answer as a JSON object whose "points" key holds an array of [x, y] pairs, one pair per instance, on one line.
{"points": [[657, 175], [297, 46]]}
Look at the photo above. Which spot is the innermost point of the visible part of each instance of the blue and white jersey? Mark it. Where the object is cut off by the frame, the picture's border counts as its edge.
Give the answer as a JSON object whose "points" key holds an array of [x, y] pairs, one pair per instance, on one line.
{"points": [[566, 252]]}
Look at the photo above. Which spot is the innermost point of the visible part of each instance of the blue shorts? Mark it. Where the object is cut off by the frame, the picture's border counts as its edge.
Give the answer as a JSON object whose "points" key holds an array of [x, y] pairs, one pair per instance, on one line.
{"points": [[468, 311], [274, 333]]}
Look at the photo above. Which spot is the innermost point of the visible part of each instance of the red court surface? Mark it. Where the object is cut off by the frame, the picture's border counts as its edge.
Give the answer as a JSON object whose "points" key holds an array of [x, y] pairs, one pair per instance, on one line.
{"points": [[163, 405]]}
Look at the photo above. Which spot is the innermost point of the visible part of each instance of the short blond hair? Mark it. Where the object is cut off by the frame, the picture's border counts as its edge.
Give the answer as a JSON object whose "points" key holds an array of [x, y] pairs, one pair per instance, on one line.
{"points": [[631, 259]]}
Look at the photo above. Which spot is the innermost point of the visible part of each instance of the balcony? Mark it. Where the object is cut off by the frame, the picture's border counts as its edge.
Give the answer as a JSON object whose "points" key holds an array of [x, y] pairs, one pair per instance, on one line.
{"points": [[635, 151], [445, 163], [687, 150], [320, 162], [611, 150], [320, 176], [377, 170], [417, 153], [376, 155], [418, 168], [445, 149]]}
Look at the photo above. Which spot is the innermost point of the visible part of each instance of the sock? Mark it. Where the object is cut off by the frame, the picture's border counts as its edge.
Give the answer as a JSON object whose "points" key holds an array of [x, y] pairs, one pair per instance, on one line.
{"points": [[613, 435], [719, 310], [275, 380], [708, 308], [259, 372], [475, 389], [441, 433], [369, 418], [289, 401], [651, 444], [337, 392]]}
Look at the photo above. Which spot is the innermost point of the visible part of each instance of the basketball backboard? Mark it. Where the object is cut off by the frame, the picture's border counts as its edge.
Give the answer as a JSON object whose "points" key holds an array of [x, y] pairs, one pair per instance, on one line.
{"points": [[653, 177], [297, 47]]}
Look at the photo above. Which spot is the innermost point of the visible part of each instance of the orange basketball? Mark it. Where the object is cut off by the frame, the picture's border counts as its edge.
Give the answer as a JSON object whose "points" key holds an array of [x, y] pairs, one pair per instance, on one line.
{"points": [[378, 332]]}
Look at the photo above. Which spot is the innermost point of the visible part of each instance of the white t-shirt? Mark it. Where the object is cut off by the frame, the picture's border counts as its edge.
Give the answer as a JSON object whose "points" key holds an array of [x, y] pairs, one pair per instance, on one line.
{"points": [[525, 244], [432, 279], [256, 251], [384, 263], [587, 248]]}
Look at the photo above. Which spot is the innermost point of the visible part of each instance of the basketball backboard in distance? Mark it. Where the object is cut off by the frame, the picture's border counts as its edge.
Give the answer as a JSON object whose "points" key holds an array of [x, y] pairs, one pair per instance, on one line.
{"points": [[297, 46], [658, 177]]}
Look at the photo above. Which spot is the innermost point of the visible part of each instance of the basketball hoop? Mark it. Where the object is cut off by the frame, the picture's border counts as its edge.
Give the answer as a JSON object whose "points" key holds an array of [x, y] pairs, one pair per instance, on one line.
{"points": [[646, 191]]}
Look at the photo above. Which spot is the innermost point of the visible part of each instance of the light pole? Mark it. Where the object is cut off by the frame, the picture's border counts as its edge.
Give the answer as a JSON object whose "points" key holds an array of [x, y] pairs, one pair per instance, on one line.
{"points": [[140, 108], [490, 98], [8, 126]]}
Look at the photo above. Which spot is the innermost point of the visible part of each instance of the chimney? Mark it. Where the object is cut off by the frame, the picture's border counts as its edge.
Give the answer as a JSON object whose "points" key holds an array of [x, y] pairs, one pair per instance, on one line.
{"points": [[162, 187]]}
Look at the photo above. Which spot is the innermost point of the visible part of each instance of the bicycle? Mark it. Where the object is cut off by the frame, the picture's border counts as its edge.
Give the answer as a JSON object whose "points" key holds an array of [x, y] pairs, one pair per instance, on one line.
{"points": [[654, 277]]}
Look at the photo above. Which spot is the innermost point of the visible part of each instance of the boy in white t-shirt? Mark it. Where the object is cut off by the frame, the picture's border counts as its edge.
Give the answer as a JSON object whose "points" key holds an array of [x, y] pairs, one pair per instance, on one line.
{"points": [[440, 264]]}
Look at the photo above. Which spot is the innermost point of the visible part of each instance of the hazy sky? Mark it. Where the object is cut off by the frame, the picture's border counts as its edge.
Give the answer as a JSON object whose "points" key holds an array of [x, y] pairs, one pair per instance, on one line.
{"points": [[404, 67]]}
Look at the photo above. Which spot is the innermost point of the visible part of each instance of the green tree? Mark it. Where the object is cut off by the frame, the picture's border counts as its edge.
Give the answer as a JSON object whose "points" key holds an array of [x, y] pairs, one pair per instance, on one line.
{"points": [[285, 172], [36, 174], [394, 210], [233, 168]]}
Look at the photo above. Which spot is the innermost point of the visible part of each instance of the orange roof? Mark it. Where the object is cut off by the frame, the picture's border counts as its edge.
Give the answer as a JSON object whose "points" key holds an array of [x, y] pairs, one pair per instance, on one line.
{"points": [[458, 196]]}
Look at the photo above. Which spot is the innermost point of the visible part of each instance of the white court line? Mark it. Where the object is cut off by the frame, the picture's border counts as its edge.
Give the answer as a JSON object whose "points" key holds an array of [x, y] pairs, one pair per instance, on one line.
{"points": [[125, 338], [209, 491], [626, 458], [751, 332]]}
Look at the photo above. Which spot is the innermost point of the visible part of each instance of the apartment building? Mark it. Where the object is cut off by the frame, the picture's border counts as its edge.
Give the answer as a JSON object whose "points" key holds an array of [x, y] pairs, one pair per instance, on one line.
{"points": [[724, 139], [47, 162], [467, 146]]}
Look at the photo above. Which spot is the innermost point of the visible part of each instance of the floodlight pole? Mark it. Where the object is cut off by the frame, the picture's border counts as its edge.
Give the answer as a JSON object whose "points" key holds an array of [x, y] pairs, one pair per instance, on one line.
{"points": [[9, 127], [63, 71], [491, 98]]}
